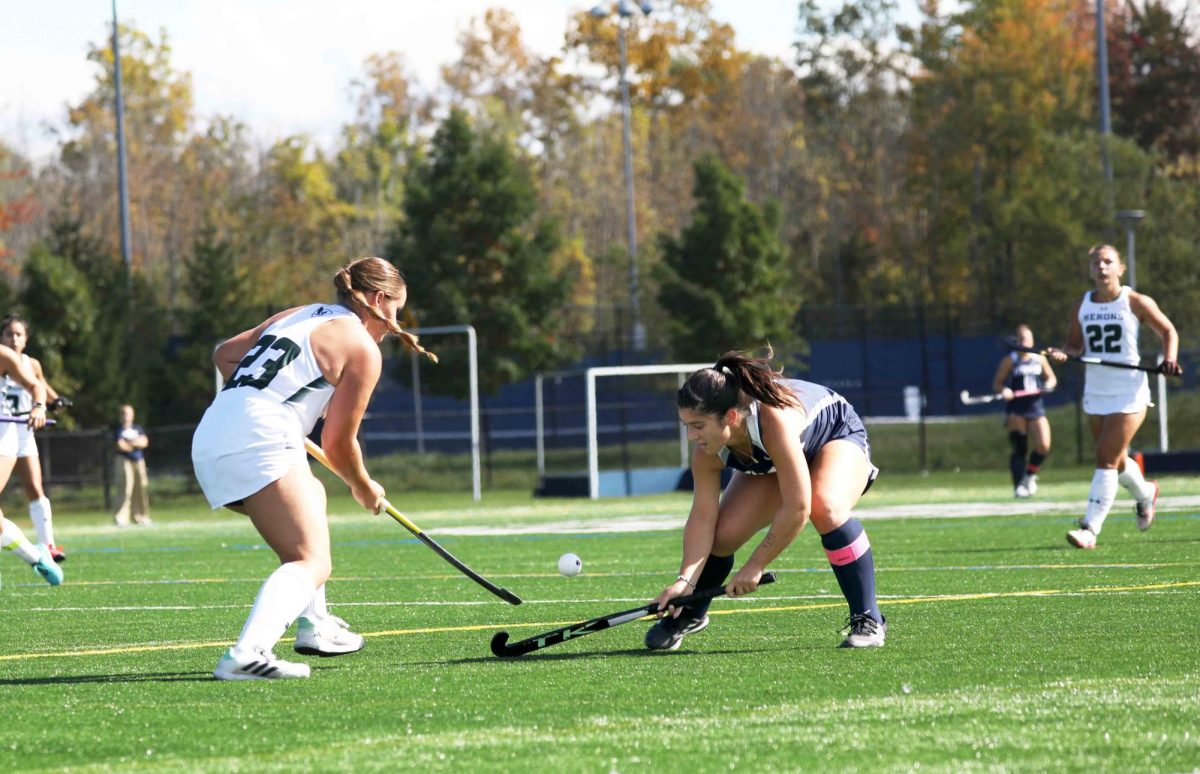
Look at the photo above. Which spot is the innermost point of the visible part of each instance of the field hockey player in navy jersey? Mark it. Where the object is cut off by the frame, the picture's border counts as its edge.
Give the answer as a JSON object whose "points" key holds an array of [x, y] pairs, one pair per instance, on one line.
{"points": [[799, 453]]}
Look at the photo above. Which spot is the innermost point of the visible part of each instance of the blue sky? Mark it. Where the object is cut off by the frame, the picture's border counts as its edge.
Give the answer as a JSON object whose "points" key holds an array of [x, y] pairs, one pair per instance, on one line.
{"points": [[282, 66]]}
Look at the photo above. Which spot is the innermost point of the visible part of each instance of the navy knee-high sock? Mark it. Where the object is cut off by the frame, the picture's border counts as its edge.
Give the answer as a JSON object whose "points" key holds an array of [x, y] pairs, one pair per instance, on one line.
{"points": [[716, 569], [1016, 460], [849, 553]]}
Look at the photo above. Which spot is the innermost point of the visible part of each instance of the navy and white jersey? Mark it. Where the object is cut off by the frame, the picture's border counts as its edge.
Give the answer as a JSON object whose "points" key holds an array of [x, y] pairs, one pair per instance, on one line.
{"points": [[827, 417], [1026, 375]]}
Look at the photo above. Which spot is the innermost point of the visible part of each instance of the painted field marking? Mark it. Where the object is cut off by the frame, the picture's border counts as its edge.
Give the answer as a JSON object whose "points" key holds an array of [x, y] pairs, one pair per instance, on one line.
{"points": [[148, 648], [594, 575]]}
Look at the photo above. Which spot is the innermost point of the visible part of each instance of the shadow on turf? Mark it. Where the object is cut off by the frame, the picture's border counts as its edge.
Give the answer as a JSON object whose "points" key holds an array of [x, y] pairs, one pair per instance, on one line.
{"points": [[151, 677], [630, 653]]}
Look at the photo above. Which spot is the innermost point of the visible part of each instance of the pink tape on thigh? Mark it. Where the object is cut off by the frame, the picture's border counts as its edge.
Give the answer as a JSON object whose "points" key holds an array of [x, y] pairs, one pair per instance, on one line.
{"points": [[850, 553]]}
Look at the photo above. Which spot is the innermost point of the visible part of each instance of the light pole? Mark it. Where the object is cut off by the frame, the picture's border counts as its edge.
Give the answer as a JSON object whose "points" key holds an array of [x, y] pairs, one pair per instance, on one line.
{"points": [[122, 184], [625, 10], [1129, 219], [1105, 125]]}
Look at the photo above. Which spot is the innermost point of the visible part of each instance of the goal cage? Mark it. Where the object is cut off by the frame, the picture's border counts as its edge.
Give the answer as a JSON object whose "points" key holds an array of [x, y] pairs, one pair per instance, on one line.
{"points": [[610, 431]]}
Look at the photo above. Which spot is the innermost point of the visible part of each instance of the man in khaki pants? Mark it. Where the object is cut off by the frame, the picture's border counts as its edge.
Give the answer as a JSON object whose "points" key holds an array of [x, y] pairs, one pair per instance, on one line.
{"points": [[131, 444]]}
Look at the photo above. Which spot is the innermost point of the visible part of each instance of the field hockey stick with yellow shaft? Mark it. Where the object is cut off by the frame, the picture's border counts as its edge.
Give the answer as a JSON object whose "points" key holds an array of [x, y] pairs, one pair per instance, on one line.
{"points": [[504, 594]]}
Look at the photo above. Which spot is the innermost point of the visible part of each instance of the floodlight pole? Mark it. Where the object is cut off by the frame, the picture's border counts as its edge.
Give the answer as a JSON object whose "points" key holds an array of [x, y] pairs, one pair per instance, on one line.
{"points": [[122, 182], [625, 11], [1129, 219], [1105, 124]]}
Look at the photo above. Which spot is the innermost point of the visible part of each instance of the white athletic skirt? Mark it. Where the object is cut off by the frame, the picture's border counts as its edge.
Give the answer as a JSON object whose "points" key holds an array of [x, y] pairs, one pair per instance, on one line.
{"points": [[1130, 403], [234, 477], [26, 442], [10, 442]]}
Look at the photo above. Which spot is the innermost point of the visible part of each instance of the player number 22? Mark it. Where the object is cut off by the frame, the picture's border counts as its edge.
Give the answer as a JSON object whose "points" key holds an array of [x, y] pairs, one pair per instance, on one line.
{"points": [[1107, 335], [243, 376]]}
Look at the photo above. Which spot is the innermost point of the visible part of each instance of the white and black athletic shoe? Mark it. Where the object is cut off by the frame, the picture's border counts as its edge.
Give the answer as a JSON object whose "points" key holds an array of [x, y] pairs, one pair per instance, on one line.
{"points": [[863, 631], [1145, 509], [329, 636], [668, 633], [256, 664]]}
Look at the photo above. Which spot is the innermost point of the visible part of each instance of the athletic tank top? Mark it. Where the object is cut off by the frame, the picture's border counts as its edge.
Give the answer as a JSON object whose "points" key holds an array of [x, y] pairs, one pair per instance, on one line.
{"points": [[819, 425], [1110, 332], [1026, 375], [276, 394], [17, 399]]}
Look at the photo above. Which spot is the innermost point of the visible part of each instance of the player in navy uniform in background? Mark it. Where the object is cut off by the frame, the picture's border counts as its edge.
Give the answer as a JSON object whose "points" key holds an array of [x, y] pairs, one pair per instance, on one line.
{"points": [[1105, 325], [1025, 416], [799, 452]]}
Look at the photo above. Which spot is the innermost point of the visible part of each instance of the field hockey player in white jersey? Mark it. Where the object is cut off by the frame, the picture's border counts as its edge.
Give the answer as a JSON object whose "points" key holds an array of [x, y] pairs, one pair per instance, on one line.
{"points": [[11, 537], [799, 453], [248, 452], [1105, 326], [14, 333]]}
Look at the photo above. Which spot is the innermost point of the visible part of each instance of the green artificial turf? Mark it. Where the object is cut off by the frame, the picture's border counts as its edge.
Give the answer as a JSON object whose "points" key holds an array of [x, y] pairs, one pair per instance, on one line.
{"points": [[1007, 649]]}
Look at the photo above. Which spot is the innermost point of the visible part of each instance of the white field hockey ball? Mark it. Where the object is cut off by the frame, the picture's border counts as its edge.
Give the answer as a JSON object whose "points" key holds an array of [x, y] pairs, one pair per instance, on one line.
{"points": [[570, 565]]}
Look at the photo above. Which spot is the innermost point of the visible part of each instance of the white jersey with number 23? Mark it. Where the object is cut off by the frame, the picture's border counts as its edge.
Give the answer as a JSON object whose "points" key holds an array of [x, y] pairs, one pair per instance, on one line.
{"points": [[272, 400]]}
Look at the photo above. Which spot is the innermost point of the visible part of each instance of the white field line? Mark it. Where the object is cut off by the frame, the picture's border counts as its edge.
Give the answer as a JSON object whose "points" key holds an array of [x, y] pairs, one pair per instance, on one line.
{"points": [[666, 523], [600, 524], [107, 650], [614, 601]]}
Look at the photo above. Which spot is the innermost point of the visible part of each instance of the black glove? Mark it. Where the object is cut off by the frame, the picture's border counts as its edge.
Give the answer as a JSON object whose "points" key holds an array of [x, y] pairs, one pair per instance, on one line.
{"points": [[60, 403], [1171, 367]]}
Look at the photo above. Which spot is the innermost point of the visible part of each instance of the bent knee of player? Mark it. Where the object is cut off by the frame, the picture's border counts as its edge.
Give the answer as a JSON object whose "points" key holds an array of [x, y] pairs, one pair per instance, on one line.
{"points": [[829, 514]]}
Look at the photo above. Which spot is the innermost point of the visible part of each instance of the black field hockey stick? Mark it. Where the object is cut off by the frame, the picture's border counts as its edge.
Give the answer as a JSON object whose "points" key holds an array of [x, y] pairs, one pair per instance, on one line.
{"points": [[975, 400], [14, 420], [1155, 369], [504, 594], [504, 649]]}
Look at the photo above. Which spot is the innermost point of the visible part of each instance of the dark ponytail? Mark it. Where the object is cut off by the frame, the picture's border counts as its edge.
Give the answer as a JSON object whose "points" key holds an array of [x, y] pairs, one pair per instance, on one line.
{"points": [[736, 379]]}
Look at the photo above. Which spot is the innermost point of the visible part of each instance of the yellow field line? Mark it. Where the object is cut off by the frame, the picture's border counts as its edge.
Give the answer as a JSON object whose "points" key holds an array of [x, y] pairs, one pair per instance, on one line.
{"points": [[554, 624]]}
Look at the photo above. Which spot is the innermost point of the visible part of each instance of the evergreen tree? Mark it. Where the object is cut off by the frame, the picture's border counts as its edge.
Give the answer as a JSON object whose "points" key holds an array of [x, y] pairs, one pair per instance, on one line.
{"points": [[473, 253], [725, 282], [59, 305], [219, 305]]}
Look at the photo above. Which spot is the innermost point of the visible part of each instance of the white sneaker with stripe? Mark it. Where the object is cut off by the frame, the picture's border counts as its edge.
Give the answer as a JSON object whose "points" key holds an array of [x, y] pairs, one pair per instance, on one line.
{"points": [[256, 664], [330, 636]]}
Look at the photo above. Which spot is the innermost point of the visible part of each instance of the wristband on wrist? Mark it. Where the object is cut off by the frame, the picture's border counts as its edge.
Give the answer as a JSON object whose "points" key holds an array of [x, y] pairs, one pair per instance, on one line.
{"points": [[688, 582], [39, 405]]}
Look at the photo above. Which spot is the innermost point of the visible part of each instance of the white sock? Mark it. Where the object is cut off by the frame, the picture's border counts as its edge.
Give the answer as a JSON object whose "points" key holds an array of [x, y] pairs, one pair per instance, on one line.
{"points": [[317, 610], [13, 539], [1100, 498], [1132, 479], [284, 594], [39, 513]]}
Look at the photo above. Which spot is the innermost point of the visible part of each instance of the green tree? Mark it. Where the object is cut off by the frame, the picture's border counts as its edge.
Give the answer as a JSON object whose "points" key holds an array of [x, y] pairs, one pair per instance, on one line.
{"points": [[158, 120], [1154, 73], [219, 303], [57, 300], [102, 336], [474, 252], [724, 281]]}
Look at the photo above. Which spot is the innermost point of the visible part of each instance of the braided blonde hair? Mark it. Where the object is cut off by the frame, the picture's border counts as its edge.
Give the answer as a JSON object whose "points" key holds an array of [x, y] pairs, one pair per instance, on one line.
{"points": [[368, 275]]}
